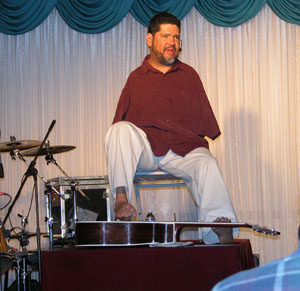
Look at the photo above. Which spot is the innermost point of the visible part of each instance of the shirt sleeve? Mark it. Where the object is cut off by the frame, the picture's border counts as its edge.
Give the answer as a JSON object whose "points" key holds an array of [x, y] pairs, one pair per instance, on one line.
{"points": [[123, 103], [211, 127]]}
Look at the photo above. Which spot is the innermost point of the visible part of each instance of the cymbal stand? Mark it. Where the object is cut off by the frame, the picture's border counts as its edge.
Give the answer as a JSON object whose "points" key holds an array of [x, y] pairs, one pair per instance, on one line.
{"points": [[16, 154], [49, 158], [74, 188], [32, 171]]}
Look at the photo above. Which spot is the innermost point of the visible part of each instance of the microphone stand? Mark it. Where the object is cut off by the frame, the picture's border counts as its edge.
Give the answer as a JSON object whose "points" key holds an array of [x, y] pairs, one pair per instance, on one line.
{"points": [[31, 171]]}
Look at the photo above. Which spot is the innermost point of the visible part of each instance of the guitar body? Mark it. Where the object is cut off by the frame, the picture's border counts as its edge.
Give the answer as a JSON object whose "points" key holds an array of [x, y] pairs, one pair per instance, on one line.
{"points": [[103, 233], [126, 233]]}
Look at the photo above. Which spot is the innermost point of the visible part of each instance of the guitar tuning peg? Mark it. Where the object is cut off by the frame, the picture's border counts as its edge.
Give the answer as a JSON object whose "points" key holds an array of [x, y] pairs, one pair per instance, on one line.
{"points": [[256, 228], [265, 230]]}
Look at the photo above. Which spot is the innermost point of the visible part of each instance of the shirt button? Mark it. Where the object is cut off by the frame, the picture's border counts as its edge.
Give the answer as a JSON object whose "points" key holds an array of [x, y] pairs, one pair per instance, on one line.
{"points": [[168, 120]]}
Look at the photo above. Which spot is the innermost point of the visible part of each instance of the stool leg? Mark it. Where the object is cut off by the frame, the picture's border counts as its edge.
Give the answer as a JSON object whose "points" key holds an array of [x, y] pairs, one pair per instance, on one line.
{"points": [[138, 201], [199, 228], [6, 280]]}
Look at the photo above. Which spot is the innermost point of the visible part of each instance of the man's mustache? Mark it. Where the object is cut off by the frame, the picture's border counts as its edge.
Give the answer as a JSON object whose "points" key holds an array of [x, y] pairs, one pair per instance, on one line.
{"points": [[170, 47]]}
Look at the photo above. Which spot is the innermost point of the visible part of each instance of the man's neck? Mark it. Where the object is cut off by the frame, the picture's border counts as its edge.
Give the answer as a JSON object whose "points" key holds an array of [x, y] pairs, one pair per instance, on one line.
{"points": [[158, 66]]}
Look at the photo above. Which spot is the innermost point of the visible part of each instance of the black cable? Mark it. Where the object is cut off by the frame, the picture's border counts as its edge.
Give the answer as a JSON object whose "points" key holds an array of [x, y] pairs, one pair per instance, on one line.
{"points": [[10, 198], [30, 205]]}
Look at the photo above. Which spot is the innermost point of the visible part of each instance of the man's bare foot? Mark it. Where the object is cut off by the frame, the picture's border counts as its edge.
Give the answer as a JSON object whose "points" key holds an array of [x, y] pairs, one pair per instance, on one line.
{"points": [[224, 233], [123, 209]]}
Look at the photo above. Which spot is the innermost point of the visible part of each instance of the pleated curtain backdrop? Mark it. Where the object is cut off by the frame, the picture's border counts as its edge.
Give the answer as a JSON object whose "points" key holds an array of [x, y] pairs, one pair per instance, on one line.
{"points": [[251, 73]]}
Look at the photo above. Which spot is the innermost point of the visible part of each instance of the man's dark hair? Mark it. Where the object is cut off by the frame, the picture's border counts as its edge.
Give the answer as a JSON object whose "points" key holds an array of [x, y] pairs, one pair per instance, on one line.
{"points": [[162, 18]]}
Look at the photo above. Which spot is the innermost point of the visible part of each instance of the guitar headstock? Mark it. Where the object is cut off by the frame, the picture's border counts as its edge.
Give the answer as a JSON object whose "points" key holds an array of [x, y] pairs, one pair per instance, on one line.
{"points": [[265, 230]]}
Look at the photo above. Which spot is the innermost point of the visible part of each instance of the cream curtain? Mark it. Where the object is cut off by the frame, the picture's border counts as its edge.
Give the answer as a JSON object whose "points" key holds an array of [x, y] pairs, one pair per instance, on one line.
{"points": [[251, 74]]}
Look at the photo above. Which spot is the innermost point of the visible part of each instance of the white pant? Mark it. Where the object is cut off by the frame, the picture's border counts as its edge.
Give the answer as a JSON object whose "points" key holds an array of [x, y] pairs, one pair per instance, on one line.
{"points": [[128, 150]]}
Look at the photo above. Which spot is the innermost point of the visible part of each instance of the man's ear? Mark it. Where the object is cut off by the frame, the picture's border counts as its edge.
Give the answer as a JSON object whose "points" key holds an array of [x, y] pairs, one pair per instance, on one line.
{"points": [[149, 39]]}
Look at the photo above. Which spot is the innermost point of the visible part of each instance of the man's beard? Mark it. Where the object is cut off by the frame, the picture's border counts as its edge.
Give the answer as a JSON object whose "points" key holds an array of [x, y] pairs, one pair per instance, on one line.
{"points": [[162, 59]]}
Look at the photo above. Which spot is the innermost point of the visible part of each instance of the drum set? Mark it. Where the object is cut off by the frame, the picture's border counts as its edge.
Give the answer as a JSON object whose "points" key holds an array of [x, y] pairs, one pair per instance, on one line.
{"points": [[24, 261]]}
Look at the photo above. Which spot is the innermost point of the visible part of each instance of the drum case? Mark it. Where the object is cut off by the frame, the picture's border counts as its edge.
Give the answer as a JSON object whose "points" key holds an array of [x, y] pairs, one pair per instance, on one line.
{"points": [[96, 208]]}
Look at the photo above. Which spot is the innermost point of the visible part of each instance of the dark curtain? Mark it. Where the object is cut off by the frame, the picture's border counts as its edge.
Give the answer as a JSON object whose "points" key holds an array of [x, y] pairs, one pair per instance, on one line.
{"points": [[93, 16], [144, 10], [96, 16], [288, 10], [229, 13], [20, 16]]}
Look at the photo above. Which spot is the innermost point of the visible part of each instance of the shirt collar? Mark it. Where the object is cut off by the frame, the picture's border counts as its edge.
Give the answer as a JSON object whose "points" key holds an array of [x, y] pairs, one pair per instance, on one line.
{"points": [[145, 67]]}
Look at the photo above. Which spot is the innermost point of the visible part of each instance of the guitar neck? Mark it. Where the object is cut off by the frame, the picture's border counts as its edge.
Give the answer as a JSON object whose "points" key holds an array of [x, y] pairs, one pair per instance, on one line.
{"points": [[213, 224], [256, 228]]}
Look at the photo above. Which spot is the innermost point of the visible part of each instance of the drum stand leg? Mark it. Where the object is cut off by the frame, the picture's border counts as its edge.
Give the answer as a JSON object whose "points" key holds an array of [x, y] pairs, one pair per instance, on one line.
{"points": [[23, 275], [23, 280], [75, 217], [48, 192], [18, 274]]}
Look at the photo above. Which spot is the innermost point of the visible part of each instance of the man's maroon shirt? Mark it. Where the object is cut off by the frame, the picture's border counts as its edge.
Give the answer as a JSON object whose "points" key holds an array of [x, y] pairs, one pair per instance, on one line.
{"points": [[172, 108]]}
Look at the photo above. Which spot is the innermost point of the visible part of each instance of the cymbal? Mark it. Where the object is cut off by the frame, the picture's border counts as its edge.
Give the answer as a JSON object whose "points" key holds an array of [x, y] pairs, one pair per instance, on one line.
{"points": [[18, 144], [46, 150]]}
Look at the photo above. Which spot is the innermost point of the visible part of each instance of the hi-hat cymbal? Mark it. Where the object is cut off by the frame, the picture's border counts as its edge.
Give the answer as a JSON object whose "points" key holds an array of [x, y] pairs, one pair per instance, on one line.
{"points": [[19, 144], [24, 234], [46, 150]]}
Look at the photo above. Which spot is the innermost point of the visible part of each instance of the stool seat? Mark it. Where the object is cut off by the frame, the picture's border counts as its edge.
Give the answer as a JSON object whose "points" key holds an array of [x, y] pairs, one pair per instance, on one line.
{"points": [[154, 179], [154, 176]]}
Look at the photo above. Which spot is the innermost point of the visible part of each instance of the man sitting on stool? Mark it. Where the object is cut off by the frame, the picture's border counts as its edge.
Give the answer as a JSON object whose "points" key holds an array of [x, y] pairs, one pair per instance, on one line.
{"points": [[161, 121]]}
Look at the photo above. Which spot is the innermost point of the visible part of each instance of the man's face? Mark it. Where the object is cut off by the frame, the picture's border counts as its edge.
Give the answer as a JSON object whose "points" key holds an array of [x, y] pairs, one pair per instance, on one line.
{"points": [[164, 46]]}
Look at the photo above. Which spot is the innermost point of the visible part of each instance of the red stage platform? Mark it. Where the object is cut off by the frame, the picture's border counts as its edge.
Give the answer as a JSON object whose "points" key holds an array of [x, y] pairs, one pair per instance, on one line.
{"points": [[143, 268]]}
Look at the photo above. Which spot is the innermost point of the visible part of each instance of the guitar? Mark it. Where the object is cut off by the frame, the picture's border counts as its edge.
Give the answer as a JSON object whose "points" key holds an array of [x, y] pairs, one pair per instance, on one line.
{"points": [[117, 233], [3, 245]]}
